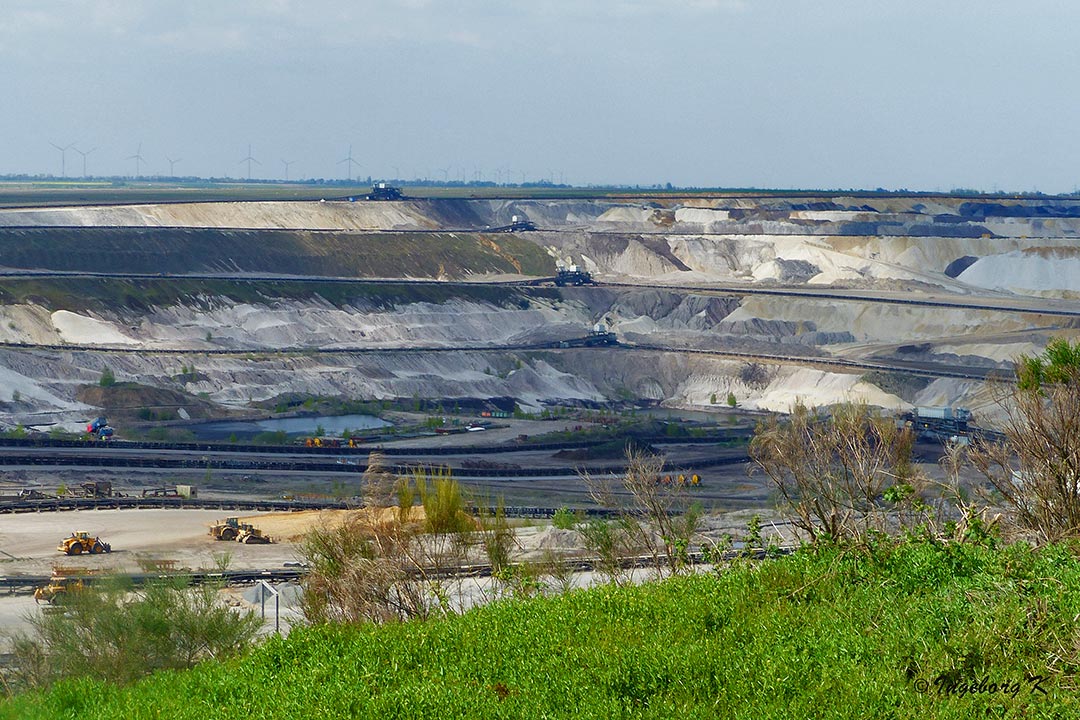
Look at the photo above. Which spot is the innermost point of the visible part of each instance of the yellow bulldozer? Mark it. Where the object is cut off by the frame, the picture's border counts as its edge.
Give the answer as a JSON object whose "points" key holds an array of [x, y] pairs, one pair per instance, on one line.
{"points": [[80, 542], [58, 589], [232, 529], [250, 535], [65, 581]]}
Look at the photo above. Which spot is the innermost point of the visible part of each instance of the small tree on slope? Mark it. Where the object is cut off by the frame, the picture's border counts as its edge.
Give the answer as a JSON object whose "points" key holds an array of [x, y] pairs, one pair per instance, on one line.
{"points": [[1036, 467]]}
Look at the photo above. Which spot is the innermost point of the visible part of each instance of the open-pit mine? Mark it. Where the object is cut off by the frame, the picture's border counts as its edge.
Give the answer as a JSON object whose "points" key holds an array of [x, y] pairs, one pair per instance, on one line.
{"points": [[896, 300], [518, 342]]}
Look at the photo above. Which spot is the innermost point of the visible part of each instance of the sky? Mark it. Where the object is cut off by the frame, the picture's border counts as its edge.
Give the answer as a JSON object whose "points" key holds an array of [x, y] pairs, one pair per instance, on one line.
{"points": [[829, 94]]}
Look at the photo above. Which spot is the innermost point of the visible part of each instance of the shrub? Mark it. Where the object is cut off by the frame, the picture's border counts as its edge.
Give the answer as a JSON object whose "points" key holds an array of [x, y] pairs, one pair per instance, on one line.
{"points": [[111, 631], [564, 519], [654, 515], [832, 471], [1036, 466], [383, 563]]}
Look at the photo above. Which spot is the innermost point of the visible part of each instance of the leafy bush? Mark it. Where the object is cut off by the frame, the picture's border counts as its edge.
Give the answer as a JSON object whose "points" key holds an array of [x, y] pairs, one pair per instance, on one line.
{"points": [[564, 519], [1036, 466], [111, 631], [653, 515], [382, 562], [833, 471]]}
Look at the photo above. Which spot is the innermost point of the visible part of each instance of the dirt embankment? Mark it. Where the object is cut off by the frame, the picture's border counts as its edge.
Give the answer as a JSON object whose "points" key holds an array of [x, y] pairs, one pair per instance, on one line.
{"points": [[290, 252], [130, 402]]}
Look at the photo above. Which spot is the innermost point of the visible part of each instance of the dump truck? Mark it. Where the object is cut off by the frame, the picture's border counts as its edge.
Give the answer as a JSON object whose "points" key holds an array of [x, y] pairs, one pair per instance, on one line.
{"points": [[80, 542], [99, 429]]}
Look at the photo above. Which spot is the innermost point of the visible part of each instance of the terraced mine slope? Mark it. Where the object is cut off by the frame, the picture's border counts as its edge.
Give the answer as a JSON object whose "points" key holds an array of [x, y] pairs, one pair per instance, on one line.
{"points": [[893, 299]]}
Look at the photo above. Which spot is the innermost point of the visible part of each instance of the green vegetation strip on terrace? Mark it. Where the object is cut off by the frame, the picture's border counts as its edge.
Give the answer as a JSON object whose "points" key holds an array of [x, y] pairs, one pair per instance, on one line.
{"points": [[900, 631], [104, 192], [294, 252], [115, 295], [109, 193]]}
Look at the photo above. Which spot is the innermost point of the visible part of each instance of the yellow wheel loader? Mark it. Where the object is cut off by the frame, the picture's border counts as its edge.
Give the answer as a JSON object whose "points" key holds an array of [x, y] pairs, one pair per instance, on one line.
{"points": [[82, 542]]}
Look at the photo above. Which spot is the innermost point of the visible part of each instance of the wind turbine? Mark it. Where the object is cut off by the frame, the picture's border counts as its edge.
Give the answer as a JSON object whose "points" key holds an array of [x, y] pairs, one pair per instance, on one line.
{"points": [[249, 159], [287, 163], [349, 159], [63, 157], [171, 164], [84, 154], [138, 158]]}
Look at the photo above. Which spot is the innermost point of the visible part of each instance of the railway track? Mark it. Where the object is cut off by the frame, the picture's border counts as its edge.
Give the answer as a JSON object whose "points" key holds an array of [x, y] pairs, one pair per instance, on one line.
{"points": [[9, 507], [187, 462], [368, 446], [727, 436], [1032, 306], [26, 584], [911, 368]]}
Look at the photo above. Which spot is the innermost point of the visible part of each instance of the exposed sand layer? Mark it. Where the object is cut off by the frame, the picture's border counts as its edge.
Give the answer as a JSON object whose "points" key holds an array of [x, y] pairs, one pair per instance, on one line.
{"points": [[1055, 272], [816, 388], [82, 330]]}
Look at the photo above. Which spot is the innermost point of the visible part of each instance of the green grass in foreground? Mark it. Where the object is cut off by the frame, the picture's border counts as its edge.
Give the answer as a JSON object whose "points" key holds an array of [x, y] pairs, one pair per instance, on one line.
{"points": [[825, 635]]}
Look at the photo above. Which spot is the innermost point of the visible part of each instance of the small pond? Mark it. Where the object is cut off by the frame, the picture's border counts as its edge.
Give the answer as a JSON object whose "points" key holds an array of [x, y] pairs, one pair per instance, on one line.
{"points": [[332, 426]]}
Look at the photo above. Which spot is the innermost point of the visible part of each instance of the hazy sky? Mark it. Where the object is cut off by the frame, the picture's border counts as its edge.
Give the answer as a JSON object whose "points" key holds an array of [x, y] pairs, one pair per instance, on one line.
{"points": [[734, 93]]}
